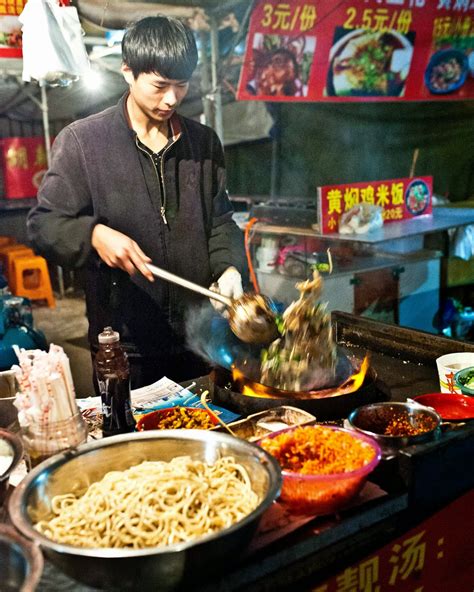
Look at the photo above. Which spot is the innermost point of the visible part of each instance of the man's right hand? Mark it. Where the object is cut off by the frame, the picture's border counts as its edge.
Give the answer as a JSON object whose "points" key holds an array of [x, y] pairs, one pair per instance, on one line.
{"points": [[119, 250]]}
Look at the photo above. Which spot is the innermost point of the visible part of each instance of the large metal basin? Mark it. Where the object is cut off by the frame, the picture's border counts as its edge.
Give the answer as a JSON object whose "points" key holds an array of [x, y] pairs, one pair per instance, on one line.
{"points": [[157, 568]]}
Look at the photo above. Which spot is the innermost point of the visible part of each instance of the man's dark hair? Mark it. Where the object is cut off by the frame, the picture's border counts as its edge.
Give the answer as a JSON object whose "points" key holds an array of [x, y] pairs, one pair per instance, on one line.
{"points": [[160, 44]]}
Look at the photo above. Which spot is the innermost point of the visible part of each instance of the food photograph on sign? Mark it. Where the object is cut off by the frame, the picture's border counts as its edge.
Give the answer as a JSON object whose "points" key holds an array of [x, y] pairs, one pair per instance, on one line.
{"points": [[417, 197], [450, 65], [369, 63], [447, 71], [281, 65], [10, 33]]}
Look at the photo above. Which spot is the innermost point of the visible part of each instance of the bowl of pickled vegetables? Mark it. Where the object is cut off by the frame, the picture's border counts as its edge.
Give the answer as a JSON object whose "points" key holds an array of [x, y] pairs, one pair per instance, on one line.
{"points": [[323, 467], [177, 418], [464, 379]]}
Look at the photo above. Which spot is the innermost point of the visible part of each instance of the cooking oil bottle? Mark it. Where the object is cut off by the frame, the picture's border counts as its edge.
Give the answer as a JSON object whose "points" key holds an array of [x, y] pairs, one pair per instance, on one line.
{"points": [[113, 377]]}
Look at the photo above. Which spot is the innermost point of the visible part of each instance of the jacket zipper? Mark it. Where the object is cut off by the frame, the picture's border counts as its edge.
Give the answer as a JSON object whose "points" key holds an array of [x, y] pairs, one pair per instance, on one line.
{"points": [[160, 177]]}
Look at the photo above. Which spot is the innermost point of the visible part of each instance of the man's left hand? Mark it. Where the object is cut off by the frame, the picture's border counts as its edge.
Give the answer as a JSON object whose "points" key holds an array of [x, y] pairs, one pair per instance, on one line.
{"points": [[229, 284]]}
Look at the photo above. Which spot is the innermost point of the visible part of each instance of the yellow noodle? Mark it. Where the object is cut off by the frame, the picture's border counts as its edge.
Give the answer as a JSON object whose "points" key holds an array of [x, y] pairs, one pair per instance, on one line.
{"points": [[152, 504]]}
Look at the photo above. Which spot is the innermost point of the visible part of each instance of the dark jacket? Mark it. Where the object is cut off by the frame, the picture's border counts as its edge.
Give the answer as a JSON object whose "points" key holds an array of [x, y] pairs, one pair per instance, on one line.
{"points": [[98, 174]]}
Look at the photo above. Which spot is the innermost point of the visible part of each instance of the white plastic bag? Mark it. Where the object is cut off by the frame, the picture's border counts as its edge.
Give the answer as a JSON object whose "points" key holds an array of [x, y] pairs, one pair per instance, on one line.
{"points": [[463, 242], [53, 46]]}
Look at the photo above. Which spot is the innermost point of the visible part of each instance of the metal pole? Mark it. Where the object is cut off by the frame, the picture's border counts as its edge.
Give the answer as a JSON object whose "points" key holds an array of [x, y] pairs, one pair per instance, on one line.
{"points": [[205, 80], [44, 111], [216, 89], [275, 169], [47, 143]]}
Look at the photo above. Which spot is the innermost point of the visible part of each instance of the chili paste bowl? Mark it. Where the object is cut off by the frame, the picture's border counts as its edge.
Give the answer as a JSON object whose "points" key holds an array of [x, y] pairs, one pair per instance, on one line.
{"points": [[395, 425], [323, 493], [157, 568]]}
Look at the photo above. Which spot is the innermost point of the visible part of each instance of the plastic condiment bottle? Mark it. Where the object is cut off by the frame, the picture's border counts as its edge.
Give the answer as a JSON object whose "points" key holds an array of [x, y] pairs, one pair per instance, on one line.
{"points": [[113, 376]]}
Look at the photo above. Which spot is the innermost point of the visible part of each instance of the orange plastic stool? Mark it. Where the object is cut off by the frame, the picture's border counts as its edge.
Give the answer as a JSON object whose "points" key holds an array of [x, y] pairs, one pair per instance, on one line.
{"points": [[6, 240], [10, 258], [4, 250], [31, 279]]}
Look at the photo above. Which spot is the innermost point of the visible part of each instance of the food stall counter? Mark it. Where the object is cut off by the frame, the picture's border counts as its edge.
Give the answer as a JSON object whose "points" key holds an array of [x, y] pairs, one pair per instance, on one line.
{"points": [[410, 498]]}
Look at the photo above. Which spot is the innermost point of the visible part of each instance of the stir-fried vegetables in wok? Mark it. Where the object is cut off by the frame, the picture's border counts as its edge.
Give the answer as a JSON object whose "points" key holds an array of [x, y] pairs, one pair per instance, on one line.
{"points": [[306, 348]]}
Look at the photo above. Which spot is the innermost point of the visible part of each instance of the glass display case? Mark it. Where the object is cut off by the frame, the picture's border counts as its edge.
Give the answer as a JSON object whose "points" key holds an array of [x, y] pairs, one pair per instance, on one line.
{"points": [[387, 275]]}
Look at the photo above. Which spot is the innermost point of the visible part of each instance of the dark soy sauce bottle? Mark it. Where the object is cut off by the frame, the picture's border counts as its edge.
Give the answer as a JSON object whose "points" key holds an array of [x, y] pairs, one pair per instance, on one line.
{"points": [[113, 376]]}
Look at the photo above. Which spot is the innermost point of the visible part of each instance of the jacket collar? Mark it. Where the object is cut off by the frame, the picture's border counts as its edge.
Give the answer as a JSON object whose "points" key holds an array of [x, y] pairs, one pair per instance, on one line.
{"points": [[175, 121]]}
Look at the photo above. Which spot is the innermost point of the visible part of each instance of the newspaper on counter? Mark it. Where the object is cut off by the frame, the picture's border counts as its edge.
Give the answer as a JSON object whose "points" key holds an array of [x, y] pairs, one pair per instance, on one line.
{"points": [[159, 395]]}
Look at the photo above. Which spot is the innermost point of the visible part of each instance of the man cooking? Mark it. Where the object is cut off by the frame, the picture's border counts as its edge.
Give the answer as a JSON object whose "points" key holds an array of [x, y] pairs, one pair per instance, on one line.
{"points": [[138, 183]]}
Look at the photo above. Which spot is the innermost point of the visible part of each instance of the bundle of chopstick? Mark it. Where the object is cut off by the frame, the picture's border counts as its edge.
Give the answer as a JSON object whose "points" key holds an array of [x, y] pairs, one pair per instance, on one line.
{"points": [[46, 390]]}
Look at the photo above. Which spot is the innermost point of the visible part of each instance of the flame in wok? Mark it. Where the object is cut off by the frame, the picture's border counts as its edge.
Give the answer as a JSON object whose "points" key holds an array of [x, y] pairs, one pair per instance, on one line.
{"points": [[255, 389]]}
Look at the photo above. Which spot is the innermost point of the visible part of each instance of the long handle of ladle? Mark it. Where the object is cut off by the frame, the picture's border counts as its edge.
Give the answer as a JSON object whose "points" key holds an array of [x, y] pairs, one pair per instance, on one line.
{"points": [[176, 279]]}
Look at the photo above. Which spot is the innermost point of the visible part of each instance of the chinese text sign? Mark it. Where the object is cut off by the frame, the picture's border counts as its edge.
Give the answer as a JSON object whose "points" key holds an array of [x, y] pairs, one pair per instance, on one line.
{"points": [[400, 199], [434, 557]]}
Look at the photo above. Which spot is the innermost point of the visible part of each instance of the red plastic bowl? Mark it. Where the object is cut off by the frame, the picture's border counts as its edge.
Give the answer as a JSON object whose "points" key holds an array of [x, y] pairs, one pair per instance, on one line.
{"points": [[450, 406], [152, 420], [325, 494]]}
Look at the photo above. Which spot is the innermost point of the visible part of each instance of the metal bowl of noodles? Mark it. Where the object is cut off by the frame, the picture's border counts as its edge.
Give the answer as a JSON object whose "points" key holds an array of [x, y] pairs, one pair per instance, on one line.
{"points": [[157, 567]]}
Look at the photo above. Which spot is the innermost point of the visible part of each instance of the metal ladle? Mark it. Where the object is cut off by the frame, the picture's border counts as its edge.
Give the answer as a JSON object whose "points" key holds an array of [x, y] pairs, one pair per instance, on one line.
{"points": [[251, 317]]}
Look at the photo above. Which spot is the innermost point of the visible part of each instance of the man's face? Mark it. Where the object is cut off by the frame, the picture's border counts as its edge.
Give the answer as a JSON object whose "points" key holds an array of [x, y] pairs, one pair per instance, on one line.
{"points": [[157, 97]]}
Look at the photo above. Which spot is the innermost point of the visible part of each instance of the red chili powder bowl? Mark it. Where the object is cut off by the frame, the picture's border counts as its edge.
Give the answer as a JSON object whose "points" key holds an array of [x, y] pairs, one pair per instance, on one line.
{"points": [[323, 467]]}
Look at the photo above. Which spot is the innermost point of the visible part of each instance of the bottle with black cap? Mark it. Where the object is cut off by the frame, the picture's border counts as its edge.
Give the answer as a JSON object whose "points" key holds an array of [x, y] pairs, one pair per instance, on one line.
{"points": [[113, 376]]}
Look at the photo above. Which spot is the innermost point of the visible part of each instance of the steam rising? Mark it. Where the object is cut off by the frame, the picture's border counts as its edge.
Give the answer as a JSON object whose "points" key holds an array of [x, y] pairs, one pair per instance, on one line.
{"points": [[209, 336]]}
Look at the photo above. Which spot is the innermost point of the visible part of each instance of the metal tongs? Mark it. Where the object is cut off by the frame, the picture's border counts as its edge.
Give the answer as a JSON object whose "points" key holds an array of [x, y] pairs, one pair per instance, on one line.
{"points": [[251, 317]]}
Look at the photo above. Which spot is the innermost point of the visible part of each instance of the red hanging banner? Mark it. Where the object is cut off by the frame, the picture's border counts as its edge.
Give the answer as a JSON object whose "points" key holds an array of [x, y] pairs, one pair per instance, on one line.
{"points": [[359, 50], [24, 165]]}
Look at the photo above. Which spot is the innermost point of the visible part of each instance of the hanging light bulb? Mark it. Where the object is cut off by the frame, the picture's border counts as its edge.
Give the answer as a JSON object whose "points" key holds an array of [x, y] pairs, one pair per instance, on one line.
{"points": [[92, 79]]}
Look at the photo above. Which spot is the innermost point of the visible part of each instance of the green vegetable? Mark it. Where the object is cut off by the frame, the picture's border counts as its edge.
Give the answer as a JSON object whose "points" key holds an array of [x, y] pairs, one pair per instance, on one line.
{"points": [[280, 324], [467, 379]]}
